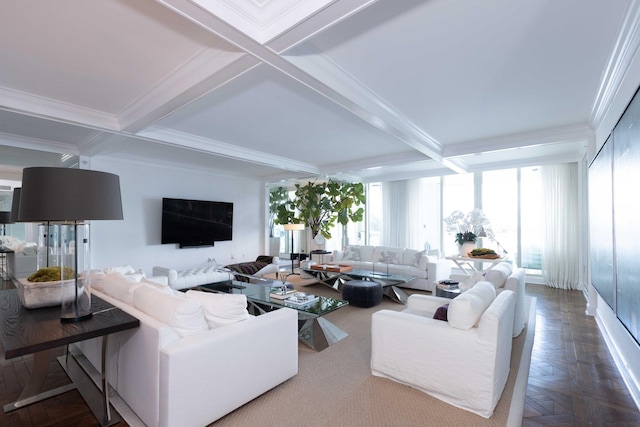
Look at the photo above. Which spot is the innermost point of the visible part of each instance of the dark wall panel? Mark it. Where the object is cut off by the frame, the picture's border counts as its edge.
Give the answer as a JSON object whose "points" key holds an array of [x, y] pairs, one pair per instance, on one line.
{"points": [[626, 208]]}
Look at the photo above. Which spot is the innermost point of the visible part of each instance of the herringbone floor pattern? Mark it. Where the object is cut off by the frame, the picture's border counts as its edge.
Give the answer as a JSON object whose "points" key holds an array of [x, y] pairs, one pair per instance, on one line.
{"points": [[573, 380]]}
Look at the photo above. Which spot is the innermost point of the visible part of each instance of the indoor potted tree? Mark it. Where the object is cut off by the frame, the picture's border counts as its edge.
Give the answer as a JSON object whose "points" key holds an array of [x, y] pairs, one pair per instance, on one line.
{"points": [[277, 196], [319, 205]]}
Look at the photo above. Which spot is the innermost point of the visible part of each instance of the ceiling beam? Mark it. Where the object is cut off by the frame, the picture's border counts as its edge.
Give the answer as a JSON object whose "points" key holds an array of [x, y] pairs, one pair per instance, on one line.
{"points": [[371, 109]]}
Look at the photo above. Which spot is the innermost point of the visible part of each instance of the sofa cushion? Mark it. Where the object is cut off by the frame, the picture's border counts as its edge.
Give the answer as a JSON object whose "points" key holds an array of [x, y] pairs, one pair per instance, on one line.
{"points": [[162, 287], [120, 287], [122, 269], [221, 309], [351, 253], [413, 257], [466, 309], [387, 255], [366, 253], [185, 315], [498, 275]]}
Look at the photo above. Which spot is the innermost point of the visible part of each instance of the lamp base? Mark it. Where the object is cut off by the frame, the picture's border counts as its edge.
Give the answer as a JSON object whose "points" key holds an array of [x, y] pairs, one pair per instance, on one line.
{"points": [[73, 317]]}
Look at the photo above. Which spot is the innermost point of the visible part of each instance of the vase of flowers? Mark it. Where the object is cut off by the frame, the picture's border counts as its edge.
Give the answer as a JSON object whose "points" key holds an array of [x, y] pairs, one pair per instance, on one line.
{"points": [[464, 227]]}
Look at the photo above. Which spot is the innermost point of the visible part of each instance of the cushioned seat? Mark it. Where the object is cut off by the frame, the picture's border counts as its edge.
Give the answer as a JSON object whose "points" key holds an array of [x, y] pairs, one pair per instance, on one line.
{"points": [[362, 293]]}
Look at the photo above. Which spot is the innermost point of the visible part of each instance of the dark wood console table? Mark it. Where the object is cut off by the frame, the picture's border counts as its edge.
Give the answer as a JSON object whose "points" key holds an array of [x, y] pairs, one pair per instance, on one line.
{"points": [[38, 331]]}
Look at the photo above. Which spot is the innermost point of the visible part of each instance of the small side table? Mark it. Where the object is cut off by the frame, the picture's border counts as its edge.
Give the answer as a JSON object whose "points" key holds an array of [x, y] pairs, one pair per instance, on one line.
{"points": [[447, 291], [38, 331]]}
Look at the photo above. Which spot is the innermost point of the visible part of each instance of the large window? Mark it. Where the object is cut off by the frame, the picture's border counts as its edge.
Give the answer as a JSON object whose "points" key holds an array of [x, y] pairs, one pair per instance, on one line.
{"points": [[510, 198]]}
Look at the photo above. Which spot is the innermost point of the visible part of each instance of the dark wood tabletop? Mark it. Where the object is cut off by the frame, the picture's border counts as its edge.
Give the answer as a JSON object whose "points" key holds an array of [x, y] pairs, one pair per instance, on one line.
{"points": [[25, 331]]}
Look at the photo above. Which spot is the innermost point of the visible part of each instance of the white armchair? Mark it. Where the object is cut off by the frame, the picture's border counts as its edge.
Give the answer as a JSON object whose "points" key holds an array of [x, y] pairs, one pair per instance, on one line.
{"points": [[463, 361]]}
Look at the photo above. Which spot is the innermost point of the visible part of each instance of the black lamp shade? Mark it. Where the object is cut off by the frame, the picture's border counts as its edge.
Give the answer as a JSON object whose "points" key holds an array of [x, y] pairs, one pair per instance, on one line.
{"points": [[15, 205], [63, 194], [5, 217]]}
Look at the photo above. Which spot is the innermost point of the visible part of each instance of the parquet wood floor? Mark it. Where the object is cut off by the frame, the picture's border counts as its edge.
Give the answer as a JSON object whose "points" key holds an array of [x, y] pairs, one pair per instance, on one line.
{"points": [[573, 380]]}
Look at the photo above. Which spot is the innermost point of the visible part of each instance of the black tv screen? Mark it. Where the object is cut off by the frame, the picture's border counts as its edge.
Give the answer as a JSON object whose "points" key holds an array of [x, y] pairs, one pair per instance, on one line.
{"points": [[196, 222]]}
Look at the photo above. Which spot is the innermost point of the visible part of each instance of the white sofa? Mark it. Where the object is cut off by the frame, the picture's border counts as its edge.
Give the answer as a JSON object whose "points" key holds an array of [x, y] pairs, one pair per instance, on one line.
{"points": [[427, 266], [183, 279], [504, 276], [464, 360], [175, 369]]}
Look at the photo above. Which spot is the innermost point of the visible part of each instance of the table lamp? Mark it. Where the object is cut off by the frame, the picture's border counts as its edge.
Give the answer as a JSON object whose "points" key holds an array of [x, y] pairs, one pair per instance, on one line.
{"points": [[70, 197], [292, 228]]}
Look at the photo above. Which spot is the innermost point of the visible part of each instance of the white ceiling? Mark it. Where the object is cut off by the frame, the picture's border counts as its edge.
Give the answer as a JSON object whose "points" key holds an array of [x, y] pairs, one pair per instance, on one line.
{"points": [[285, 89]]}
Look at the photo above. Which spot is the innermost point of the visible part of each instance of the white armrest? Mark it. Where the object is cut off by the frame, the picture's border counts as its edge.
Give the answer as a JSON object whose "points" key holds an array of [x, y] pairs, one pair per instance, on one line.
{"points": [[337, 256], [425, 303], [439, 270], [275, 260], [161, 271], [216, 362]]}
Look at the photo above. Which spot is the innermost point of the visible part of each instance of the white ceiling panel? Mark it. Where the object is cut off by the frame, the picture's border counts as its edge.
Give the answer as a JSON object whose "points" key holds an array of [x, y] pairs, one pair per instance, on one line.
{"points": [[278, 115], [469, 70], [100, 55], [279, 89]]}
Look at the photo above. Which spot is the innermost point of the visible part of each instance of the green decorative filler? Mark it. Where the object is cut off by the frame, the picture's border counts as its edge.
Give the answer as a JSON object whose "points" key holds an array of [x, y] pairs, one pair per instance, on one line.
{"points": [[51, 274]]}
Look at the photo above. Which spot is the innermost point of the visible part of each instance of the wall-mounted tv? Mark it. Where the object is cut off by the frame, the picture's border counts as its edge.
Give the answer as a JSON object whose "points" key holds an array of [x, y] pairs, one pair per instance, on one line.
{"points": [[196, 222]]}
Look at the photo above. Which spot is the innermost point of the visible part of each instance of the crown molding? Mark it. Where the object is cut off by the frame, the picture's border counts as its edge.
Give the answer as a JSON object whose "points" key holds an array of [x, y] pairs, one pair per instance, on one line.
{"points": [[623, 54], [210, 146], [574, 133], [48, 146], [38, 106]]}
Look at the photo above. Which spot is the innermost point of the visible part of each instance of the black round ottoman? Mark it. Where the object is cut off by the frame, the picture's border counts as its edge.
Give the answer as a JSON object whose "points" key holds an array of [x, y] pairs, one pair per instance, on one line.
{"points": [[362, 293]]}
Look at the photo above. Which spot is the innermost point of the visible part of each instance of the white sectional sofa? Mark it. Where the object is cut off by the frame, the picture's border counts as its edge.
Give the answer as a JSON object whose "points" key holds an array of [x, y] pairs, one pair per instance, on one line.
{"points": [[183, 279], [195, 357], [426, 266]]}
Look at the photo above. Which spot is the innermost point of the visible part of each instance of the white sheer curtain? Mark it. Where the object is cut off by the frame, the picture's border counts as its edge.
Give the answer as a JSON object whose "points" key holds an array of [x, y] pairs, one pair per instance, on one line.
{"points": [[401, 214], [560, 263]]}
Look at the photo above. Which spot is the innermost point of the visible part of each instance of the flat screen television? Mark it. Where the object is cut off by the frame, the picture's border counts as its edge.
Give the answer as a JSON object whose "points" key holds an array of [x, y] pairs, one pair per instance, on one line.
{"points": [[196, 222]]}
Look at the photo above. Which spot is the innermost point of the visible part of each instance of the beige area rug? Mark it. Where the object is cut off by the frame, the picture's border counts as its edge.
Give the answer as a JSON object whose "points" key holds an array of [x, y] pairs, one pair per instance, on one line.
{"points": [[334, 387]]}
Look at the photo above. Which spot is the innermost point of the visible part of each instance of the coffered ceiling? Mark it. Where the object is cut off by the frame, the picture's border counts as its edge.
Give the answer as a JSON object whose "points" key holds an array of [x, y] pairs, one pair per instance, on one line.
{"points": [[286, 89]]}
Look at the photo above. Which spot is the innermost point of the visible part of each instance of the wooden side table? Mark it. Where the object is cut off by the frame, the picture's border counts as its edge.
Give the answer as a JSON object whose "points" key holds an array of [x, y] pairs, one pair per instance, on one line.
{"points": [[38, 331]]}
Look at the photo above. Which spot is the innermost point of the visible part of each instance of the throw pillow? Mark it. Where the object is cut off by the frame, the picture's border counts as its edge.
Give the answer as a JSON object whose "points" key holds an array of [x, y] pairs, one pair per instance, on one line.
{"points": [[123, 269], [159, 286], [120, 287], [389, 257], [352, 253], [466, 309], [186, 316], [441, 312], [417, 257], [498, 275], [221, 309]]}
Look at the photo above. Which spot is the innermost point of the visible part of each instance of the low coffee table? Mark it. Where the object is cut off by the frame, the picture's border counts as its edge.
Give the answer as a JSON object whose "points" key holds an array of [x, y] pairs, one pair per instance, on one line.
{"points": [[313, 330], [389, 282]]}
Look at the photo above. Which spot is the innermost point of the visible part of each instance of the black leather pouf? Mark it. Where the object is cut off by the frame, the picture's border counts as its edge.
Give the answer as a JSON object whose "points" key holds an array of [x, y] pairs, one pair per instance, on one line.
{"points": [[362, 293]]}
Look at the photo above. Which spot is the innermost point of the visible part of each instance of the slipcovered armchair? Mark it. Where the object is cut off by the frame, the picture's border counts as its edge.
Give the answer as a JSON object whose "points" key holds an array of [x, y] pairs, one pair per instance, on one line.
{"points": [[463, 360]]}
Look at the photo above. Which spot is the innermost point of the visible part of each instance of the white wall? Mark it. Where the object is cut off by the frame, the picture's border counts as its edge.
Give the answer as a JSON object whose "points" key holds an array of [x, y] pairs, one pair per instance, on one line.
{"points": [[136, 240]]}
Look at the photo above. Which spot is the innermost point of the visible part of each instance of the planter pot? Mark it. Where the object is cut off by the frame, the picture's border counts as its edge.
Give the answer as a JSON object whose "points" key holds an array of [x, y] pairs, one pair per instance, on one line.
{"points": [[274, 246], [465, 248]]}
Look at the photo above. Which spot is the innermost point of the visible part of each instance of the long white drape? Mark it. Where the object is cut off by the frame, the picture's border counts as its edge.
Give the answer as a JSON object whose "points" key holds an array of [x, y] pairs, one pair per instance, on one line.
{"points": [[560, 263], [402, 214]]}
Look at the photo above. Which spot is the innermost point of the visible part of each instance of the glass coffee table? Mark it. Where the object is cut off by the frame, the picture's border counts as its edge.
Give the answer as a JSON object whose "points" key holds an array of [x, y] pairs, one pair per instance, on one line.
{"points": [[389, 282], [314, 331]]}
